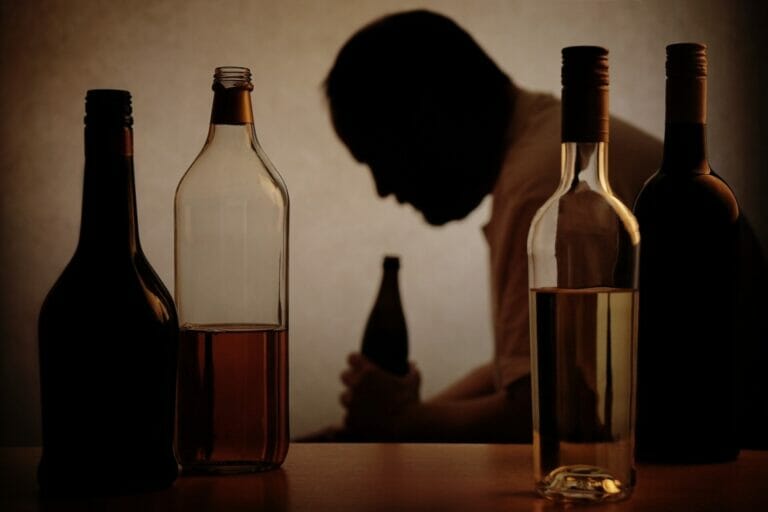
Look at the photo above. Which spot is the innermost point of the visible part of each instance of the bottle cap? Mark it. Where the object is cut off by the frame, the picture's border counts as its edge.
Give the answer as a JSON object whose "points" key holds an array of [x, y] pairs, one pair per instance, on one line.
{"points": [[585, 66], [687, 60], [585, 94], [686, 91], [108, 106], [391, 262], [231, 99]]}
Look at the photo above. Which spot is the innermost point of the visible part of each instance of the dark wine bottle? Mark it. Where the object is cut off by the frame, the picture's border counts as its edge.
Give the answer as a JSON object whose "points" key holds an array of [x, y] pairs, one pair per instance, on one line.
{"points": [[385, 341], [689, 225], [108, 335]]}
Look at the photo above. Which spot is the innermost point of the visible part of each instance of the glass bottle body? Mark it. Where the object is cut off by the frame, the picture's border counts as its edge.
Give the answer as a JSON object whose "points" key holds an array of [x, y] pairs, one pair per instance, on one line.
{"points": [[583, 250], [231, 262], [385, 340], [686, 391], [690, 222], [108, 337]]}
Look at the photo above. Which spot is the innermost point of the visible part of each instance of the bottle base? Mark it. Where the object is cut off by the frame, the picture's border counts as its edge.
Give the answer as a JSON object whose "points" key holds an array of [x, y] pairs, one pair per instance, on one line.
{"points": [[61, 479], [584, 484]]}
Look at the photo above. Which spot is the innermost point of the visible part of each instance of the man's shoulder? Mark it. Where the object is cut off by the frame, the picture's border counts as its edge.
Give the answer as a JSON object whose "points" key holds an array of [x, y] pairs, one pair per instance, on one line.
{"points": [[531, 107], [633, 144], [624, 133], [535, 126]]}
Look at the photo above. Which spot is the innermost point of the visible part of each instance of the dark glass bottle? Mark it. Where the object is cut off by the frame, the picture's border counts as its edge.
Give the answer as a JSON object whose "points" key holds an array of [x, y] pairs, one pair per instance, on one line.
{"points": [[689, 224], [385, 341], [108, 335]]}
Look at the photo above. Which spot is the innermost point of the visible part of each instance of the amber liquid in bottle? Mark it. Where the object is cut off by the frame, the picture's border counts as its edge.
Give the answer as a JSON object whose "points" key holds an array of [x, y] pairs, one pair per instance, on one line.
{"points": [[689, 223], [108, 335], [233, 386]]}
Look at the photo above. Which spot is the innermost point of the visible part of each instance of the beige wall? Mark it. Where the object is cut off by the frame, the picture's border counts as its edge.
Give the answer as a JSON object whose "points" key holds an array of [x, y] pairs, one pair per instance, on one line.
{"points": [[164, 52]]}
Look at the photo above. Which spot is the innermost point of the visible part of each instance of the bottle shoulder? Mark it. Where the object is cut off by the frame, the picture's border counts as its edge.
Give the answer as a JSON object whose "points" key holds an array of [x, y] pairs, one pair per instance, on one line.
{"points": [[239, 177], [98, 290], [703, 194], [580, 208]]}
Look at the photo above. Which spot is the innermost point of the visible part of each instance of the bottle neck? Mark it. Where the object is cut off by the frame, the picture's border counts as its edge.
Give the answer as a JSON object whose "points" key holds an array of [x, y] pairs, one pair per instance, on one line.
{"points": [[584, 165], [584, 126], [231, 106], [389, 292], [231, 120], [109, 221], [685, 148], [389, 280]]}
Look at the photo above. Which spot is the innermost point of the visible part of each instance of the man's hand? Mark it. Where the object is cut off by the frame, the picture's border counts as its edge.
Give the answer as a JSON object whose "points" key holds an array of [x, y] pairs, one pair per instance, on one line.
{"points": [[377, 402]]}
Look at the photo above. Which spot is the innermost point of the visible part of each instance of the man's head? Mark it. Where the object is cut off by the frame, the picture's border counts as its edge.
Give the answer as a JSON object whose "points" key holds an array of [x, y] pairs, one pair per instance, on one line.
{"points": [[414, 97]]}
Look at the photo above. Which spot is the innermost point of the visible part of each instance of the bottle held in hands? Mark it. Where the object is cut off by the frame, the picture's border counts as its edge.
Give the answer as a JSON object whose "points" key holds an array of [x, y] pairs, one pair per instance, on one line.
{"points": [[385, 340]]}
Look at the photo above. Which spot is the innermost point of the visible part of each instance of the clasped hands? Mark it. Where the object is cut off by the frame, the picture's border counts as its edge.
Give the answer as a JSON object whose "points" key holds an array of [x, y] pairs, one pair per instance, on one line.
{"points": [[379, 405]]}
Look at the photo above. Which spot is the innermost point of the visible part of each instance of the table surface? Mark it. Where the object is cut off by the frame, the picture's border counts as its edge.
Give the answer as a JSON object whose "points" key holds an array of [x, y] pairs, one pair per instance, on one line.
{"points": [[405, 477]]}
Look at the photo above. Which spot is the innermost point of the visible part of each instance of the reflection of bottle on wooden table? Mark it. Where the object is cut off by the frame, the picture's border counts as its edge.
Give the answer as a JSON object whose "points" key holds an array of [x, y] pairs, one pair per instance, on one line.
{"points": [[385, 341]]}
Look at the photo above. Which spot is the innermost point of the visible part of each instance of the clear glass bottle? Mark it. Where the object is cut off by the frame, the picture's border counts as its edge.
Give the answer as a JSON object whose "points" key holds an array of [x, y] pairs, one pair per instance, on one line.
{"points": [[385, 340], [108, 335], [689, 221], [583, 249], [231, 262]]}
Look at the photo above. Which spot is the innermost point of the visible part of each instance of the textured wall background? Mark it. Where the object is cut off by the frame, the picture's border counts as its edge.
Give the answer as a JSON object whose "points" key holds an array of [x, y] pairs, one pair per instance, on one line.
{"points": [[165, 51]]}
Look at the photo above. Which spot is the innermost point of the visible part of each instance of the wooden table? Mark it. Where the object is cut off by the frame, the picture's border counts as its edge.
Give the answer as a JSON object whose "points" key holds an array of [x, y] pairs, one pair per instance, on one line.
{"points": [[404, 477]]}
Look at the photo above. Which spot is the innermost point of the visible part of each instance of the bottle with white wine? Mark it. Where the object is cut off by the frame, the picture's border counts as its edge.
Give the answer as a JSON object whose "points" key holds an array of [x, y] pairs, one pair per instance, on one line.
{"points": [[689, 220], [231, 261], [582, 262]]}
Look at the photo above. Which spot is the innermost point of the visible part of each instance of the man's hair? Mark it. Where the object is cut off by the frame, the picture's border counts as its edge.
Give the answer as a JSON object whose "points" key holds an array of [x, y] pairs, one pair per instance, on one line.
{"points": [[402, 73]]}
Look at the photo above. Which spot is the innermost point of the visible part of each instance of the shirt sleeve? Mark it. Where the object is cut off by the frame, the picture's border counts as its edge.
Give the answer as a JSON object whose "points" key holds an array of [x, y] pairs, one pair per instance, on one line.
{"points": [[512, 347]]}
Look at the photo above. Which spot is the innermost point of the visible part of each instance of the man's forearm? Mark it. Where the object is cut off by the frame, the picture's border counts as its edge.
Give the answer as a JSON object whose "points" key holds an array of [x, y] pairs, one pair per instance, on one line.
{"points": [[477, 383], [502, 416]]}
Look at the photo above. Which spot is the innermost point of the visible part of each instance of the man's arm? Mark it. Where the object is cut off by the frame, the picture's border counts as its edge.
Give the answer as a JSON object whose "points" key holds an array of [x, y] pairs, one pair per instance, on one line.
{"points": [[477, 383], [500, 416], [386, 407]]}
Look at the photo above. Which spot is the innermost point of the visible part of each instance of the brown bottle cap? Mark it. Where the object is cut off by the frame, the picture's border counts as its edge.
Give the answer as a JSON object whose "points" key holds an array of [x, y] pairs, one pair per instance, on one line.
{"points": [[686, 91], [585, 94], [232, 99], [687, 60]]}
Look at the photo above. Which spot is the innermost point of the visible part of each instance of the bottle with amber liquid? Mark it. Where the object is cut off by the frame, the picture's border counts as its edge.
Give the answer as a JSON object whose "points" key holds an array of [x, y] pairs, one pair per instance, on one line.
{"points": [[583, 249], [231, 262], [108, 335], [385, 340], [689, 221]]}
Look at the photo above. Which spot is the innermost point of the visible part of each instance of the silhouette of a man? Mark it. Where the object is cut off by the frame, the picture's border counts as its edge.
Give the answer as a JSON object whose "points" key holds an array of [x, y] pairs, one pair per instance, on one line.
{"points": [[440, 127]]}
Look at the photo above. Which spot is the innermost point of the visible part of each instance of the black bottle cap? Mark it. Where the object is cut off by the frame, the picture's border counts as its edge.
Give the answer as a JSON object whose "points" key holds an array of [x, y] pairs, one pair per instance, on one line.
{"points": [[391, 262], [585, 66], [687, 60], [108, 106]]}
